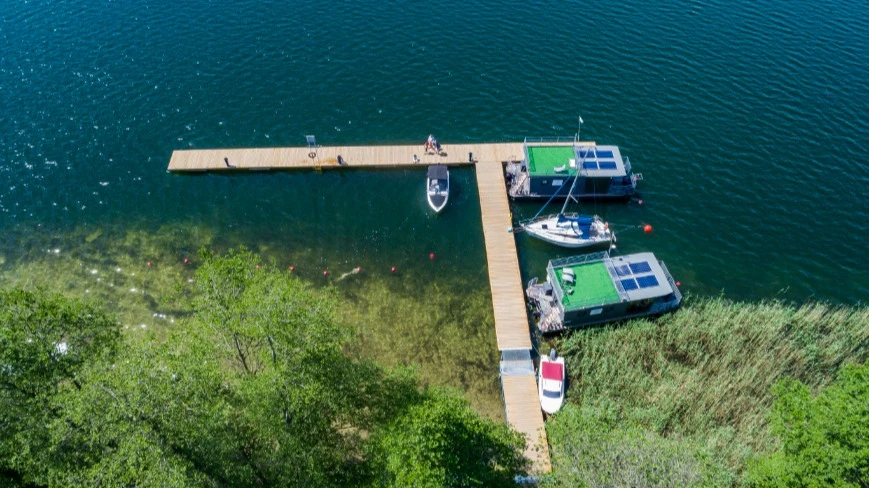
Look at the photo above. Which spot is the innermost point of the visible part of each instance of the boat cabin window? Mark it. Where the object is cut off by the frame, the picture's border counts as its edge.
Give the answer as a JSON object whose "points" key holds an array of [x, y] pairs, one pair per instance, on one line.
{"points": [[595, 311], [597, 185], [640, 306], [557, 182]]}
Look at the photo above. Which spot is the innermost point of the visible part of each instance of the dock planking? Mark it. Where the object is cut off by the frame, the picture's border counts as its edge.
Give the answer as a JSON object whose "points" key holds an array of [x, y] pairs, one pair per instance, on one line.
{"points": [[521, 404], [508, 297], [287, 158], [522, 408]]}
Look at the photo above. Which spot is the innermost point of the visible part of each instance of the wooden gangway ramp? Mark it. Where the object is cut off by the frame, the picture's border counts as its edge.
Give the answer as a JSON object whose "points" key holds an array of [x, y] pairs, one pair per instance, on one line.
{"points": [[267, 158], [518, 383]]}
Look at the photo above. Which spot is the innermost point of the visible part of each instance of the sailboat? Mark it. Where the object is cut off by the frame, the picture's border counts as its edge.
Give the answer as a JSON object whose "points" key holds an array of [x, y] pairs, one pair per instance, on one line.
{"points": [[438, 187], [570, 229]]}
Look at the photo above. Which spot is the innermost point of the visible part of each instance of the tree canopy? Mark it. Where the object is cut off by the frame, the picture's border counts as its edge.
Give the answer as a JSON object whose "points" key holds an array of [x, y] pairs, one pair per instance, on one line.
{"points": [[824, 438], [46, 342]]}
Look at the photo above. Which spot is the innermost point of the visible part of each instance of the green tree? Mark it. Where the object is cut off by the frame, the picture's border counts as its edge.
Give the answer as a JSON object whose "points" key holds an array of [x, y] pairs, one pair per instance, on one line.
{"points": [[824, 438], [255, 391], [440, 441], [46, 341]]}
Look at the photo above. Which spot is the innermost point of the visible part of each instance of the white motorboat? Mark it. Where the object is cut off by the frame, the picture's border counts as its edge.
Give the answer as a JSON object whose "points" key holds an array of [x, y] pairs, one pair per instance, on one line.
{"points": [[550, 382], [438, 186]]}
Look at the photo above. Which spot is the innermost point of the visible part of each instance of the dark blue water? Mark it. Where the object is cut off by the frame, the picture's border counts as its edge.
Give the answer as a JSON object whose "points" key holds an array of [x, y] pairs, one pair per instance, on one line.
{"points": [[747, 120]]}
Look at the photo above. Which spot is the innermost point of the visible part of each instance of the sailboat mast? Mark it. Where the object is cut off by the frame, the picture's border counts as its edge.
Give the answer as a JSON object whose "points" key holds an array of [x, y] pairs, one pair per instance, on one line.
{"points": [[570, 191]]}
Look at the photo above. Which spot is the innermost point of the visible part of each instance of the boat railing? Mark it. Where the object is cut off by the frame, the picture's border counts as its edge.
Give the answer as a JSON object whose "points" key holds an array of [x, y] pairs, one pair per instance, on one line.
{"points": [[551, 140], [574, 260], [673, 286], [627, 165]]}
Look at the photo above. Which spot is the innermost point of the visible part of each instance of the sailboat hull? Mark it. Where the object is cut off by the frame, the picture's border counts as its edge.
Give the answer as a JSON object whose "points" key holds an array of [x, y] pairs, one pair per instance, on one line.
{"points": [[567, 233]]}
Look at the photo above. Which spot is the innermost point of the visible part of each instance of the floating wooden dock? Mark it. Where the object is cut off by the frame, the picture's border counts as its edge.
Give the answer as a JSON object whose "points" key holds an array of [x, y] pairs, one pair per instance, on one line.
{"points": [[518, 380], [259, 159], [508, 298]]}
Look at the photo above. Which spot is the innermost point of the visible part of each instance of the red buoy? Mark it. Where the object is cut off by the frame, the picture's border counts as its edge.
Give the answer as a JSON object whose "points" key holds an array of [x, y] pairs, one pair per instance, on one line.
{"points": [[647, 229], [186, 260], [325, 273], [393, 269], [678, 283], [640, 202], [358, 268], [431, 256], [292, 268]]}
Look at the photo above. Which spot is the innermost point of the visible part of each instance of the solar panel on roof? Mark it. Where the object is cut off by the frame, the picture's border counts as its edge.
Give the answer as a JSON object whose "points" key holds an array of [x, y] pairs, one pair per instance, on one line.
{"points": [[607, 165], [647, 281], [589, 165], [629, 284], [593, 153], [623, 270], [641, 267]]}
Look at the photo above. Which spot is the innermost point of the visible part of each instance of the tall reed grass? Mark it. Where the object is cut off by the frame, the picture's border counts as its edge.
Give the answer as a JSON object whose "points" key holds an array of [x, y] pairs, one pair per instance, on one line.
{"points": [[705, 372]]}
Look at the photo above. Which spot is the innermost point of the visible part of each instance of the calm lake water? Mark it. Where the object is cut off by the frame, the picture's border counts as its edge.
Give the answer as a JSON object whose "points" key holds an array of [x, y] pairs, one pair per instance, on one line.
{"points": [[747, 120]]}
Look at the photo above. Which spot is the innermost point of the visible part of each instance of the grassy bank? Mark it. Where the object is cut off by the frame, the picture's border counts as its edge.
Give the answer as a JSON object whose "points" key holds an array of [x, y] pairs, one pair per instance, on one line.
{"points": [[703, 375]]}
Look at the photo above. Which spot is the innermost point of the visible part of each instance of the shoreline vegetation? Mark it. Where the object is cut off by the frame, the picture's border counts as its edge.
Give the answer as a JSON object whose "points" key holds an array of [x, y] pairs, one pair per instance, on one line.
{"points": [[404, 318], [686, 398]]}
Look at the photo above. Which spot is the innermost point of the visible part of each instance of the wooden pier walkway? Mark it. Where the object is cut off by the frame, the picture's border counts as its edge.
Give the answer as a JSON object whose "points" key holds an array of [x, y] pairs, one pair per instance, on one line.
{"points": [[258, 159], [518, 381]]}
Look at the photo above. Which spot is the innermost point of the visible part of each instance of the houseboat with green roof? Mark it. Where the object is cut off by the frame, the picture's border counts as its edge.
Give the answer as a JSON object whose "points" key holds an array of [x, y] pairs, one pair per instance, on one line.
{"points": [[595, 288], [550, 165]]}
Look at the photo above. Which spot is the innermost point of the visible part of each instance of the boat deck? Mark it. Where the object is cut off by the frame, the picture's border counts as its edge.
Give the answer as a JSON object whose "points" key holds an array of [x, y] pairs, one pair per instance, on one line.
{"points": [[597, 286], [521, 402]]}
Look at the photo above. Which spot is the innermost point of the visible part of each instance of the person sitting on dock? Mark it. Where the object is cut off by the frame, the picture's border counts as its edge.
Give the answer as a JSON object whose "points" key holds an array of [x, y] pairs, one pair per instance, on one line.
{"points": [[429, 143]]}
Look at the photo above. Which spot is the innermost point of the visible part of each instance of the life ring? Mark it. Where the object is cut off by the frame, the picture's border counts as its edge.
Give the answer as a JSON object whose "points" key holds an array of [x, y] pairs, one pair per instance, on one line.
{"points": [[312, 155]]}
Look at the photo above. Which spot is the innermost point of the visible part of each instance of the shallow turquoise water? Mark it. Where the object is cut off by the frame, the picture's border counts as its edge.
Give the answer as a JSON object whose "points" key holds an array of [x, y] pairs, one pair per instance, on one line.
{"points": [[747, 119]]}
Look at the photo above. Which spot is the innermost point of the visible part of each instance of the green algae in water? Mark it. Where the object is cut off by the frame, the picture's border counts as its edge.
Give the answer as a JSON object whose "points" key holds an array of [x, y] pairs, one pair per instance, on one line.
{"points": [[444, 328]]}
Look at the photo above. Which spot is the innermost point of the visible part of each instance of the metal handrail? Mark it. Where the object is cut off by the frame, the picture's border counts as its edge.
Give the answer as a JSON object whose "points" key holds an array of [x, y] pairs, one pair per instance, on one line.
{"points": [[672, 282], [551, 139], [578, 259]]}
